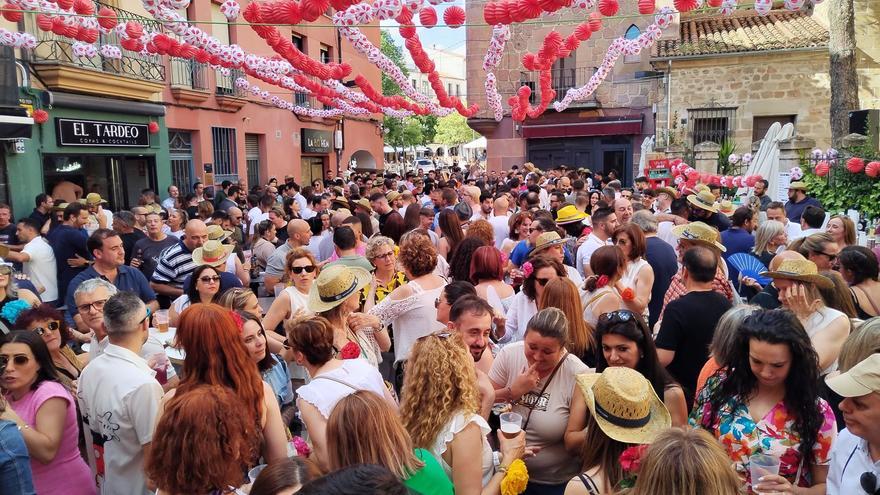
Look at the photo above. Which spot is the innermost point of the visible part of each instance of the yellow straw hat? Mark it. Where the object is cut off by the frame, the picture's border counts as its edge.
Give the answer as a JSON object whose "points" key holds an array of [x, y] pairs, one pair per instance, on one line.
{"points": [[700, 233], [569, 214], [802, 271], [334, 285], [93, 199], [211, 253], [726, 208], [624, 405], [704, 200], [216, 233]]}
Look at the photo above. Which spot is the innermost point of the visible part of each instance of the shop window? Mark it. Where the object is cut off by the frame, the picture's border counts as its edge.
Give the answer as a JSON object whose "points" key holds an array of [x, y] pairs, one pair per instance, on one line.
{"points": [[760, 125], [252, 158], [181, 154], [225, 153]]}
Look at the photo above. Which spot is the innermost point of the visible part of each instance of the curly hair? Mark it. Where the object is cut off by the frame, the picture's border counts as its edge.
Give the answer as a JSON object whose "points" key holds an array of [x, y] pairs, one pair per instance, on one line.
{"points": [[203, 442], [439, 382], [297, 253], [460, 260], [41, 313], [418, 255], [538, 262], [775, 326], [312, 336], [216, 355], [482, 229]]}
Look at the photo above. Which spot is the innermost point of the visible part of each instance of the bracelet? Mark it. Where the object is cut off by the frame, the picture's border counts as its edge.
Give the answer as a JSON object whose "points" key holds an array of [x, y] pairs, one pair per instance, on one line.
{"points": [[23, 426], [503, 469]]}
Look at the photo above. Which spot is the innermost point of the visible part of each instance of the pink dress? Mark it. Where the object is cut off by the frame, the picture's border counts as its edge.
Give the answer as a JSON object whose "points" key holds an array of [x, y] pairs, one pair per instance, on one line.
{"points": [[68, 473]]}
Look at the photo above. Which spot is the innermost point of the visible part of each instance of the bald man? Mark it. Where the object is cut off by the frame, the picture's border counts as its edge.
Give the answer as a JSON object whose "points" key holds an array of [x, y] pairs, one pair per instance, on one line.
{"points": [[499, 220], [176, 262], [298, 235]]}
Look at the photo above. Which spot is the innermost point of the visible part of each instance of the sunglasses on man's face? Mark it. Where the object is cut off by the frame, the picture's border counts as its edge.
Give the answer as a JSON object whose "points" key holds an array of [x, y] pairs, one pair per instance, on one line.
{"points": [[52, 326], [299, 269]]}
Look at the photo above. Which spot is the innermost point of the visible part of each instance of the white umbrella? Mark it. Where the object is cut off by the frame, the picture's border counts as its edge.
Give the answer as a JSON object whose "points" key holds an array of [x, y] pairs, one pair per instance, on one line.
{"points": [[766, 161], [647, 147]]}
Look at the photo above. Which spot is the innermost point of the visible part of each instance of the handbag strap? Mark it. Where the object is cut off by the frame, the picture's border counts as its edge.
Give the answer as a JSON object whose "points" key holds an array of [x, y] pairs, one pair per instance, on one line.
{"points": [[337, 380], [546, 384], [870, 301]]}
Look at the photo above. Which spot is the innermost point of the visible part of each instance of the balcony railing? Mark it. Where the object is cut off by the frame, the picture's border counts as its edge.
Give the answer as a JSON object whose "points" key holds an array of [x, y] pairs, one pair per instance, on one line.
{"points": [[189, 74], [54, 48], [563, 79], [226, 84]]}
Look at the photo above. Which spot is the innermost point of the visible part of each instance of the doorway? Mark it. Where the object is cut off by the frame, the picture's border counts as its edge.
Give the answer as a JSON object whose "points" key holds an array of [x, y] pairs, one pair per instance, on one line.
{"points": [[119, 179], [312, 168]]}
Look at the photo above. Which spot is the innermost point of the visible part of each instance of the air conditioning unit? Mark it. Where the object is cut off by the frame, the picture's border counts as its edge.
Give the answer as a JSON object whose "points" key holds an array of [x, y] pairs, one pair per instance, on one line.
{"points": [[866, 123]]}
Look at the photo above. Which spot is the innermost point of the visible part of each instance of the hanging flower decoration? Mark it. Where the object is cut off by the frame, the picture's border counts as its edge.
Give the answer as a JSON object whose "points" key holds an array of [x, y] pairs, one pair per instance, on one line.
{"points": [[40, 116], [516, 479], [796, 173], [153, 127], [230, 9]]}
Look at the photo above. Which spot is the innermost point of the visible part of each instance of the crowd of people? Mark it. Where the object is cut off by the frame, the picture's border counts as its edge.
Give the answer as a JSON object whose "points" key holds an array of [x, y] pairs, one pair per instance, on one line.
{"points": [[528, 331]]}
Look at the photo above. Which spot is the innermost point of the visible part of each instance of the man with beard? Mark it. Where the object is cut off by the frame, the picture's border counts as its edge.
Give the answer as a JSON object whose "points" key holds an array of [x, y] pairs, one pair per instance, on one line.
{"points": [[471, 317]]}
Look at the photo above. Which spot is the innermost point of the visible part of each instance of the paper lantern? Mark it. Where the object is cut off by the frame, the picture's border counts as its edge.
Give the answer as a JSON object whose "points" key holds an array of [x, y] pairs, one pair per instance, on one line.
{"points": [[583, 31], [44, 22], [454, 16], [84, 7], [407, 32], [646, 6], [855, 165], [595, 21], [9, 12], [65, 4], [822, 168], [714, 3], [608, 8], [134, 29], [685, 5], [872, 169], [428, 16], [40, 116]]}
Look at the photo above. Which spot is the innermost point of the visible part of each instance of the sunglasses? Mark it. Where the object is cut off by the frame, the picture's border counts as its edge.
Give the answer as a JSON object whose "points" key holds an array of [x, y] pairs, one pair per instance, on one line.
{"points": [[868, 482], [542, 281], [439, 335], [52, 326], [831, 257], [5, 270], [535, 229], [18, 360], [97, 306], [619, 316], [210, 279], [299, 269], [149, 312]]}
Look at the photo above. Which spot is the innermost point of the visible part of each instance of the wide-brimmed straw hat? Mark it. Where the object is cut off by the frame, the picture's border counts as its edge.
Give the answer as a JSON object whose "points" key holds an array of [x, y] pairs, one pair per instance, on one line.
{"points": [[391, 196], [700, 233], [546, 240], [569, 214], [365, 204], [624, 405], [799, 185], [93, 199], [802, 271], [726, 208], [216, 233], [671, 192], [211, 253], [334, 285], [704, 200]]}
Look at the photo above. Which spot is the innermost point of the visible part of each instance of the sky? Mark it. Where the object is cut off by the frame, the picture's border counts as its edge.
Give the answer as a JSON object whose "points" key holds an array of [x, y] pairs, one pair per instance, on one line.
{"points": [[445, 38]]}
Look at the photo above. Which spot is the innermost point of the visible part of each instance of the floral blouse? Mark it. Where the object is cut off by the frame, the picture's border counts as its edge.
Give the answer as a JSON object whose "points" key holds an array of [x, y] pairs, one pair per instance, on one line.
{"points": [[383, 290], [774, 434]]}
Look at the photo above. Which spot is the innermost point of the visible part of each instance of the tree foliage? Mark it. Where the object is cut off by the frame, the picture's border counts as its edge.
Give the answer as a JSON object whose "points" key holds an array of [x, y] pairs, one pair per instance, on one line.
{"points": [[395, 53], [453, 130]]}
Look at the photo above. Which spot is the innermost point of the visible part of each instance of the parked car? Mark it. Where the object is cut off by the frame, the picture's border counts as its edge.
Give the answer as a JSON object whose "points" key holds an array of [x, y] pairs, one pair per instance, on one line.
{"points": [[423, 163]]}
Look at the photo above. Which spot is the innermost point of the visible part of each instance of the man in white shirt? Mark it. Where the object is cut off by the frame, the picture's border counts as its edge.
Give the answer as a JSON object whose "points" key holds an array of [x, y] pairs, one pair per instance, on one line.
{"points": [[500, 220], [260, 212], [170, 202], [855, 456], [37, 259], [604, 222], [776, 211], [119, 399], [812, 221]]}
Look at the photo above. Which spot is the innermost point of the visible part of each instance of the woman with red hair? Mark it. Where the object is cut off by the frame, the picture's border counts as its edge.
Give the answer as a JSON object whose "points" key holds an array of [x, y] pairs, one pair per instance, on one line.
{"points": [[216, 355], [204, 443]]}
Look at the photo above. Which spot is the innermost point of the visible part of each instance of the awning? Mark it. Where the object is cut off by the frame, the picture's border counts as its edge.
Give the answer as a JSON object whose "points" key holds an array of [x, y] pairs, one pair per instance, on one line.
{"points": [[388, 149], [579, 127], [476, 144], [15, 124]]}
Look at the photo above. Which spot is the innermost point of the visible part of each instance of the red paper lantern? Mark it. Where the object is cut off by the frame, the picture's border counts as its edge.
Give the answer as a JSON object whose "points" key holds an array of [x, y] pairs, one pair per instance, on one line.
{"points": [[872, 169], [407, 32], [822, 168], [9, 13], [855, 165], [404, 17], [595, 21], [44, 22], [583, 31], [428, 16], [646, 7], [40, 116], [714, 3], [134, 29], [84, 7], [107, 18], [153, 127], [608, 7], [454, 16], [685, 5], [65, 4]]}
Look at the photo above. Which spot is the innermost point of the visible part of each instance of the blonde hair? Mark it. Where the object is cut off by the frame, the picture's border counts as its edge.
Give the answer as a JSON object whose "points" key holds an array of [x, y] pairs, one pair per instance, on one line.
{"points": [[235, 298], [362, 429], [765, 234], [702, 466], [439, 382], [861, 343], [563, 294]]}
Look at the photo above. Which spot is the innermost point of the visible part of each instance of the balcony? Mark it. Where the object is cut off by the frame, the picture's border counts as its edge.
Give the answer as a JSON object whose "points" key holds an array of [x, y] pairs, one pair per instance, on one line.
{"points": [[134, 76], [229, 96], [189, 81], [563, 79]]}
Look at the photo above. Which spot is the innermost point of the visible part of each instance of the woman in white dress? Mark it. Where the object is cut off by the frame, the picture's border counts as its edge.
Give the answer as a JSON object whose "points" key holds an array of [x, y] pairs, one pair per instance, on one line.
{"points": [[312, 341], [300, 269], [440, 412], [639, 276]]}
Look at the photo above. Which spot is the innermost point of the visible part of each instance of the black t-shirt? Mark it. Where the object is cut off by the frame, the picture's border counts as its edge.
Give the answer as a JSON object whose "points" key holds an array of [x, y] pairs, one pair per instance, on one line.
{"points": [[687, 328], [128, 242], [661, 256], [7, 235], [149, 250]]}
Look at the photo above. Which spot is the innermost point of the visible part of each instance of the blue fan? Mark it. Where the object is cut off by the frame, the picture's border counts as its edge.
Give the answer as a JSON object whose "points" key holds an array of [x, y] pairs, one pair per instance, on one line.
{"points": [[749, 266]]}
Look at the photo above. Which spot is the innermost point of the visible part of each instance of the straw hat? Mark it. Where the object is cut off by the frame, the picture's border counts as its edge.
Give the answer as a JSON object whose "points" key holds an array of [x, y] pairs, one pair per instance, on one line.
{"points": [[60, 206], [334, 285], [569, 214], [799, 185], [216, 233], [339, 204], [211, 253], [672, 193], [802, 271], [365, 204], [339, 190], [93, 199], [726, 208], [700, 233], [546, 240], [154, 208], [392, 195], [624, 405], [704, 200]]}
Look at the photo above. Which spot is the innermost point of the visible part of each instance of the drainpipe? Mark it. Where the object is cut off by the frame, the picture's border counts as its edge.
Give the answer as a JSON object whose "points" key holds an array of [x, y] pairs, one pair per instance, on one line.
{"points": [[668, 100], [25, 76]]}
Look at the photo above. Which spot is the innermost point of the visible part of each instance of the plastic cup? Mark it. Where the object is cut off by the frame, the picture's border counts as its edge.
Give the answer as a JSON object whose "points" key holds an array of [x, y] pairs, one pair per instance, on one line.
{"points": [[761, 465], [511, 424], [161, 320], [158, 362]]}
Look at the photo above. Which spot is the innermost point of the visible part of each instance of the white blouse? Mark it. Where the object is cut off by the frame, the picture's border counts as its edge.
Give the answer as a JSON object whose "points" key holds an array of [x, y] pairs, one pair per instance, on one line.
{"points": [[522, 309], [446, 434], [412, 317]]}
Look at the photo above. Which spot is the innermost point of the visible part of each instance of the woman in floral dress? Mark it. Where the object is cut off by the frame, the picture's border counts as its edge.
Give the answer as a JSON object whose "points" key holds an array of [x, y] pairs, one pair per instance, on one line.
{"points": [[767, 403]]}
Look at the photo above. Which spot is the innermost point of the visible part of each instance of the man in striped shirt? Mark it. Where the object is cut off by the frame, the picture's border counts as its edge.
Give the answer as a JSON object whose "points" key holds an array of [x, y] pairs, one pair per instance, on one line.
{"points": [[176, 262]]}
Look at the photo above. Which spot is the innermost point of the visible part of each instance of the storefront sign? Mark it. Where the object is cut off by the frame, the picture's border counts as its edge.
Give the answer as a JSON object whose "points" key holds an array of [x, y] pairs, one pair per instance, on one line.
{"points": [[75, 132], [315, 141]]}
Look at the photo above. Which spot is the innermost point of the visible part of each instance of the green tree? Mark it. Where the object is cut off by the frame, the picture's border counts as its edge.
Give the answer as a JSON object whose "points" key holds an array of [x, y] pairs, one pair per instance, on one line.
{"points": [[395, 53], [453, 130], [429, 127]]}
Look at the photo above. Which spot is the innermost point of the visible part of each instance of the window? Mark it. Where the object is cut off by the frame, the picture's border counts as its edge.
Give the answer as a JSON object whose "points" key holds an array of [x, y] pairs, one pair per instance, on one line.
{"points": [[711, 124], [225, 152], [252, 157], [220, 30], [564, 74], [632, 33], [760, 125], [298, 42], [458, 90], [448, 88], [414, 84], [181, 151], [325, 54], [300, 99]]}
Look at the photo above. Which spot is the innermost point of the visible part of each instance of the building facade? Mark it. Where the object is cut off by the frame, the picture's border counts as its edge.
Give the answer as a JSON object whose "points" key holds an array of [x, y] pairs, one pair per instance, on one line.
{"points": [[205, 123]]}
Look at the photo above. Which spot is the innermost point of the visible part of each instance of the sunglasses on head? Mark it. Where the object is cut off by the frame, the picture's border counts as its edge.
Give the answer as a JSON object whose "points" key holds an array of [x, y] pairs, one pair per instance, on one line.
{"points": [[299, 269], [18, 360], [619, 316], [439, 335], [52, 326], [208, 279], [149, 312]]}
